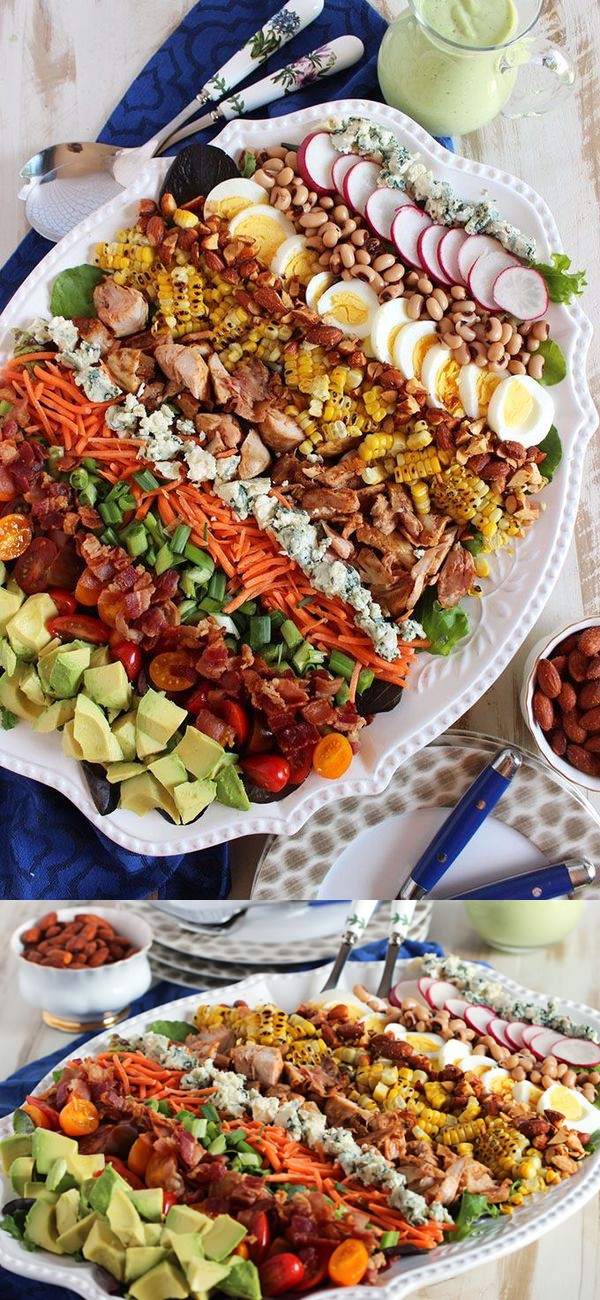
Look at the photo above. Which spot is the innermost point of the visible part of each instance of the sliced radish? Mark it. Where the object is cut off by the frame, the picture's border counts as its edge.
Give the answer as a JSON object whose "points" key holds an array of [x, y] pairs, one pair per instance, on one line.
{"points": [[407, 225], [359, 183], [341, 167], [529, 1033], [423, 984], [427, 247], [577, 1051], [476, 246], [316, 156], [405, 989], [483, 275], [381, 208], [456, 1007], [542, 1044], [438, 992], [514, 1033], [448, 251], [521, 291], [478, 1018], [497, 1028]]}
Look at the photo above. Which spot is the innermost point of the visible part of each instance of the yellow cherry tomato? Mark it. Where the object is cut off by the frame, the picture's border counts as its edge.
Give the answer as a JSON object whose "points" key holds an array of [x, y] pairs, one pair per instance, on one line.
{"points": [[79, 1117], [349, 1262], [332, 756], [15, 536]]}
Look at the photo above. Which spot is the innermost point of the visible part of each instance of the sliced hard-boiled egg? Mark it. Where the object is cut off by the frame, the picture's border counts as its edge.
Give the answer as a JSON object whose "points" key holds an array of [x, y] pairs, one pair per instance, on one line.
{"points": [[520, 410], [426, 1044], [475, 387], [229, 197], [497, 1080], [316, 286], [397, 1031], [411, 346], [339, 998], [351, 305], [440, 375], [266, 226], [389, 318], [526, 1092], [294, 260], [376, 1024], [477, 1064], [453, 1051], [579, 1113]]}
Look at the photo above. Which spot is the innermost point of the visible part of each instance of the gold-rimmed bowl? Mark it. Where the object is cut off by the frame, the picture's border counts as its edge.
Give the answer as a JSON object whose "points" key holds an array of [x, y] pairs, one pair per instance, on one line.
{"points": [[95, 997], [543, 649]]}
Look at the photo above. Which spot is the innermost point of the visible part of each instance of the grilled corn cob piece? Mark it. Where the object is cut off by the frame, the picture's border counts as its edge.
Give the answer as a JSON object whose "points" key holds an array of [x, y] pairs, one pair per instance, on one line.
{"points": [[413, 465], [500, 1146]]}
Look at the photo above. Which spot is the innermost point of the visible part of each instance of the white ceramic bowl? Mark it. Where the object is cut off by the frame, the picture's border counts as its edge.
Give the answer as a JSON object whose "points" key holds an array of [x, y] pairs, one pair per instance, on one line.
{"points": [[95, 997], [543, 650]]}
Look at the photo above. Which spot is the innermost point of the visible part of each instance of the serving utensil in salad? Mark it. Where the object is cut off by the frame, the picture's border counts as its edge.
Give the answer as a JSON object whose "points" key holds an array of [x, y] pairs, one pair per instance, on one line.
{"points": [[355, 925], [462, 823], [401, 916], [547, 882]]}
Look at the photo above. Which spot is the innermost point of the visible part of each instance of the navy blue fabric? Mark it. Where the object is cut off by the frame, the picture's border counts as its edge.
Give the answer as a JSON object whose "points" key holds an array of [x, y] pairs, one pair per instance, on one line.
{"points": [[14, 1089], [47, 848]]}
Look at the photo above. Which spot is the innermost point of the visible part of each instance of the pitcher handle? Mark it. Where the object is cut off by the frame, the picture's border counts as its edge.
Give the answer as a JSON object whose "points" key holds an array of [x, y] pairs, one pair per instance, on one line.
{"points": [[558, 82]]}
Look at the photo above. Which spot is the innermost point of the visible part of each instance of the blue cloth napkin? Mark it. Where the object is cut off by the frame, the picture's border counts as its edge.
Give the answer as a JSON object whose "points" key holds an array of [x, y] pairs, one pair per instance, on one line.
{"points": [[47, 848], [14, 1089]]}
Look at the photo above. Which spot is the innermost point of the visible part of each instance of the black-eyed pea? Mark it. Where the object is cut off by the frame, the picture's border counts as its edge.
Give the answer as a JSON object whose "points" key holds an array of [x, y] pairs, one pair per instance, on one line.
{"points": [[340, 213], [569, 1079], [535, 367], [535, 1076], [362, 257], [506, 333], [547, 1081], [594, 1078], [479, 1050], [325, 258], [511, 1062], [280, 199], [274, 165], [467, 1035], [458, 292], [383, 262], [465, 332], [330, 233], [518, 1074], [412, 279], [516, 367], [424, 284], [525, 357], [420, 1026], [453, 341], [359, 237], [286, 175], [462, 355], [532, 343], [493, 330], [394, 274], [589, 1091], [391, 291], [312, 220], [362, 272], [276, 152], [540, 330], [495, 352], [561, 1070], [312, 196], [498, 367], [446, 1034], [300, 196], [291, 159], [481, 360], [326, 201], [347, 255], [514, 344], [499, 1053], [414, 306], [335, 261], [549, 1065], [348, 227], [262, 178], [440, 297], [434, 309]]}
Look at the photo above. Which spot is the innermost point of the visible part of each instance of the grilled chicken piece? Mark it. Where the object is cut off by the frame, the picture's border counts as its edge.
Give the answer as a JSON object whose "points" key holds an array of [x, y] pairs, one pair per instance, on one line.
{"points": [[278, 430], [346, 473], [254, 457], [262, 1063], [94, 332], [402, 506], [124, 310], [456, 577], [341, 547], [129, 366], [340, 1110], [401, 551], [382, 516], [186, 365], [376, 571], [244, 390], [209, 1042], [223, 431], [329, 503]]}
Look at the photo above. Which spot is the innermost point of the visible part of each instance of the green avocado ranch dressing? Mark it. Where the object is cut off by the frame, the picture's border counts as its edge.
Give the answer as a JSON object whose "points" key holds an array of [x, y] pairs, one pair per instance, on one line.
{"points": [[441, 62]]}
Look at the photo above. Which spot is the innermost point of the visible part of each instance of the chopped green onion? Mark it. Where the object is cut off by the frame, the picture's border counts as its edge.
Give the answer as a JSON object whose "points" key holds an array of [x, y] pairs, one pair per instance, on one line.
{"points": [[217, 586], [179, 540], [54, 457], [109, 537], [188, 611], [273, 654], [307, 657], [90, 463], [217, 1147], [366, 677], [88, 495], [306, 601], [343, 695], [210, 1112], [154, 528], [146, 480], [164, 559], [259, 631], [5, 407], [290, 634], [135, 538], [210, 606], [236, 1138], [196, 556], [277, 619], [79, 479], [151, 556], [110, 512], [341, 665], [389, 1239], [200, 574], [246, 1160], [249, 607]]}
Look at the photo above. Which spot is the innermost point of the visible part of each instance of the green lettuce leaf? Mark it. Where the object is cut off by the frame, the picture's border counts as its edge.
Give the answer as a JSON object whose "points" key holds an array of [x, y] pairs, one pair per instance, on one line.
{"points": [[472, 1209], [552, 448], [594, 1142], [555, 364], [72, 291], [562, 286], [444, 628], [22, 1122], [176, 1030]]}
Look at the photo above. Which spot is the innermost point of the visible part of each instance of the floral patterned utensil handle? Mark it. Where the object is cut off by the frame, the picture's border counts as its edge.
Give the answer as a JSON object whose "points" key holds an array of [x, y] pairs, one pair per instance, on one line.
{"points": [[277, 31], [355, 925]]}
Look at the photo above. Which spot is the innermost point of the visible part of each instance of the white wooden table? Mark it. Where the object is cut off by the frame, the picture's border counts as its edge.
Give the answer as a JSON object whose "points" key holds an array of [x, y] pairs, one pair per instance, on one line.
{"points": [[566, 1262]]}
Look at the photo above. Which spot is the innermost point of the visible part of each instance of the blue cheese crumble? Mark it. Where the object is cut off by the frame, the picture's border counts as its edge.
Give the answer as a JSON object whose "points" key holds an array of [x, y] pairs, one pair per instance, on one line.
{"points": [[78, 355]]}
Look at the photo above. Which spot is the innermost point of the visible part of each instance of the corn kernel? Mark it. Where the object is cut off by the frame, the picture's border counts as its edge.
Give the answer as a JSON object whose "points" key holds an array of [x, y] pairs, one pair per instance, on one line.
{"points": [[482, 567], [186, 220]]}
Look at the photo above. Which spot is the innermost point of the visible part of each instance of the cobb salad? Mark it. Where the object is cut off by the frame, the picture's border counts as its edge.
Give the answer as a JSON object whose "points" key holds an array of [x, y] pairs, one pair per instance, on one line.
{"points": [[255, 1152], [256, 456]]}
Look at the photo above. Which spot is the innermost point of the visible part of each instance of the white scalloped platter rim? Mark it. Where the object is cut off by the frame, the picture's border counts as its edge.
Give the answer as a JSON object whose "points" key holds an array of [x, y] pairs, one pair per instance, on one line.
{"points": [[510, 1233], [440, 690]]}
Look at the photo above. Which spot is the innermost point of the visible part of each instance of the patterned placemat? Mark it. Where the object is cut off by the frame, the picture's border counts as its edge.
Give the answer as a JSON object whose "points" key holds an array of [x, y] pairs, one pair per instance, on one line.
{"points": [[547, 811], [282, 950]]}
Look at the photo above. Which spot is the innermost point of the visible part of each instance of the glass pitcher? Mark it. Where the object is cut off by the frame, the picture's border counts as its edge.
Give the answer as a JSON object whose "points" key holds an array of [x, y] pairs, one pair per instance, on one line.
{"points": [[453, 65]]}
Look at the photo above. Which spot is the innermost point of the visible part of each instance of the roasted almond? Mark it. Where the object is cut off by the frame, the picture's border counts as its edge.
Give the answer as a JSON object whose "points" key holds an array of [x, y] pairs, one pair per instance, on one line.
{"points": [[560, 663], [589, 641], [589, 695], [567, 699], [558, 742], [578, 663], [573, 728], [591, 720], [583, 760], [548, 679], [543, 711]]}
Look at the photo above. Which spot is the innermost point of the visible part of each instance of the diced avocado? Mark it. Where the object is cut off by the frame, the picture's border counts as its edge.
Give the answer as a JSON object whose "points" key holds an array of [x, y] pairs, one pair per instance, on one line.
{"points": [[70, 745], [13, 699], [10, 602], [82, 1167], [48, 656], [165, 1282], [26, 630], [169, 770], [18, 1144], [148, 1202], [140, 1259], [67, 1211], [201, 1273], [182, 1218], [222, 1239], [124, 730], [55, 716], [193, 797], [40, 1227], [103, 1248], [48, 1146], [31, 686], [153, 1234], [108, 685], [124, 771], [74, 1238], [106, 1184], [198, 753], [56, 1174], [144, 793], [242, 1281], [156, 720], [8, 658], [39, 1192], [55, 644], [21, 1172], [124, 1219], [67, 671], [231, 791], [93, 734], [100, 655]]}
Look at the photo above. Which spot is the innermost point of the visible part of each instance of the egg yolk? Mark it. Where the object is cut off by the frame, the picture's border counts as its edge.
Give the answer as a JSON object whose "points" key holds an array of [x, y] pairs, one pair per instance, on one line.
{"points": [[517, 407], [567, 1102], [229, 207], [486, 386], [502, 1085], [349, 309], [300, 266], [447, 387], [422, 1043], [266, 233], [420, 352]]}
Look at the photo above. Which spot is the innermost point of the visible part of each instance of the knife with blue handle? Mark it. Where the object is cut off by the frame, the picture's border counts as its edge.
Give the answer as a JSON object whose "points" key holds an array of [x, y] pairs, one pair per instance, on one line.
{"points": [[547, 882], [459, 828]]}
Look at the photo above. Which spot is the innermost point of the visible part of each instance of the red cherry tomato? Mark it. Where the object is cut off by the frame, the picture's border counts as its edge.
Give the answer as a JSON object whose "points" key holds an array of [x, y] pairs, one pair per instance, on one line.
{"points": [[169, 1200], [269, 771], [260, 740], [8, 490], [233, 713], [280, 1273], [65, 568], [88, 588], [32, 567], [121, 1168], [130, 656], [332, 756], [316, 1262], [79, 626], [173, 671], [300, 770], [65, 601], [46, 1116], [198, 699], [259, 1237]]}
